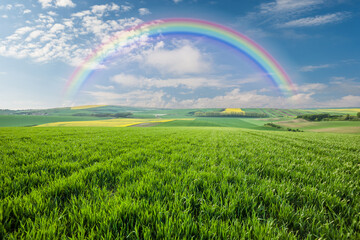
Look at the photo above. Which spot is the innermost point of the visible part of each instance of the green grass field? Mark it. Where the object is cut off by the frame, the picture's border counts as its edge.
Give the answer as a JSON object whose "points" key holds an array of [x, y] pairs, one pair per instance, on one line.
{"points": [[178, 183], [218, 122], [26, 121], [333, 124], [324, 126]]}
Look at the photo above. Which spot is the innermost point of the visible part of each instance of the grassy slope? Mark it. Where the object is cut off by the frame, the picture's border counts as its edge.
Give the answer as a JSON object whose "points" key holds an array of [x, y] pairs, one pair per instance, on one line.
{"points": [[147, 183], [23, 121], [332, 126], [217, 122]]}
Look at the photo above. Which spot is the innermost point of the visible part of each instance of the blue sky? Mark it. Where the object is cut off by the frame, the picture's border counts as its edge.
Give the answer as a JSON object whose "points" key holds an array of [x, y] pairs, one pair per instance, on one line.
{"points": [[316, 41]]}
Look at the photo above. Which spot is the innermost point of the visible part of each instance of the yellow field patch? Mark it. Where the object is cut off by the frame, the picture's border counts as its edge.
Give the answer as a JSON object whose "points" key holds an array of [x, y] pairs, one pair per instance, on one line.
{"points": [[86, 107], [233, 110], [123, 122], [342, 110]]}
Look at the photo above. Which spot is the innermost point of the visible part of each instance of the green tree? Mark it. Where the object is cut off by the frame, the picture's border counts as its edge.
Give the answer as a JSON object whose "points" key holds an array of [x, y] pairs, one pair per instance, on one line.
{"points": [[358, 114]]}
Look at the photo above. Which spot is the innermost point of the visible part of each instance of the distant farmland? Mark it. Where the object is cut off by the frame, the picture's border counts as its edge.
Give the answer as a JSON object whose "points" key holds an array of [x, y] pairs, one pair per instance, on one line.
{"points": [[120, 116]]}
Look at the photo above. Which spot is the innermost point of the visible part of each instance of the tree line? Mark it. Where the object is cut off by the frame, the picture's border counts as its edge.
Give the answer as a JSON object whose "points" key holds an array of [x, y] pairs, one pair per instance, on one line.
{"points": [[329, 117]]}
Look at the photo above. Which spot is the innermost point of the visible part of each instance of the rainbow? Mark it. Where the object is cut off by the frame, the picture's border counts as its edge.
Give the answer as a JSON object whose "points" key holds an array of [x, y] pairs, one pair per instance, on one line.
{"points": [[181, 26]]}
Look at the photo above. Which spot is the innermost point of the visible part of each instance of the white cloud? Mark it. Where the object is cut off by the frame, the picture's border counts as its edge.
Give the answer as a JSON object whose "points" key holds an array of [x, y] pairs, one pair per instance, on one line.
{"points": [[141, 98], [233, 98], [33, 35], [68, 39], [18, 33], [338, 78], [64, 3], [27, 11], [316, 21], [100, 10], [104, 87], [288, 13], [177, 1], [57, 28], [251, 79], [8, 7], [3, 73], [56, 3], [311, 87], [4, 16], [128, 80], [114, 7], [69, 23], [144, 11], [81, 14], [281, 6], [52, 13], [302, 100], [346, 101], [45, 3], [125, 8], [184, 60], [19, 5], [312, 68], [44, 20], [345, 85], [342, 80]]}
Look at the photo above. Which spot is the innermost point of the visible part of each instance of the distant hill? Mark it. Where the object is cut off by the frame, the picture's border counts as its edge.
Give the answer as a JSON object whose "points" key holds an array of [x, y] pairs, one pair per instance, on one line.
{"points": [[141, 112]]}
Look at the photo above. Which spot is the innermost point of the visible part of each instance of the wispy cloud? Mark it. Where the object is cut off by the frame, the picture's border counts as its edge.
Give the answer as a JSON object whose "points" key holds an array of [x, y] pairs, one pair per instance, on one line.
{"points": [[282, 6], [104, 87], [291, 34], [345, 84], [312, 68], [144, 11], [341, 80], [143, 98], [311, 87], [316, 21], [290, 14], [346, 101], [11, 6], [140, 82]]}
